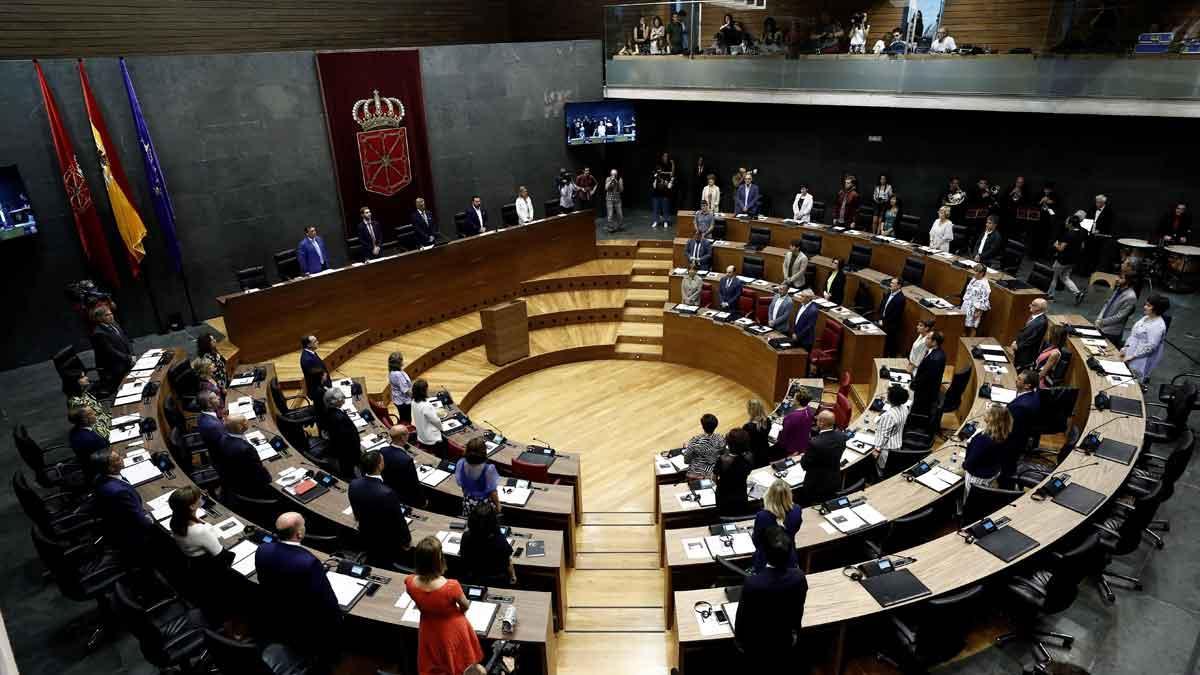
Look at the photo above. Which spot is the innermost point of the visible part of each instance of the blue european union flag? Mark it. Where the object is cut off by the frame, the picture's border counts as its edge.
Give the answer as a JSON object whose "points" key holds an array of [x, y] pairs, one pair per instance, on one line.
{"points": [[163, 209]]}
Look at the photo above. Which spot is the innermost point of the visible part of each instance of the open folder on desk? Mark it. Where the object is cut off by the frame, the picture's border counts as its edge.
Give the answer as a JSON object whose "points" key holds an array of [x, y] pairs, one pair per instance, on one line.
{"points": [[514, 496], [262, 445], [141, 472], [1114, 367], [739, 544], [451, 541], [697, 499], [431, 475], [1002, 395], [939, 479], [346, 589]]}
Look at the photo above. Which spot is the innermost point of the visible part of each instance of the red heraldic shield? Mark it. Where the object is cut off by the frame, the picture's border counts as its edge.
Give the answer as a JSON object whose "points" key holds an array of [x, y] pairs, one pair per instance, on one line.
{"points": [[383, 157]]}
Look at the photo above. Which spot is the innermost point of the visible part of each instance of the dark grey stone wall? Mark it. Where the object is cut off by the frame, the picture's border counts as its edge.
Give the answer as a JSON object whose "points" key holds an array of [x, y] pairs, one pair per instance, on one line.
{"points": [[242, 140]]}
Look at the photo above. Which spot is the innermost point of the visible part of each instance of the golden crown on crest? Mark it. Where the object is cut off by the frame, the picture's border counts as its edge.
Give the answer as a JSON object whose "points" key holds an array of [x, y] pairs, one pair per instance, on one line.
{"points": [[378, 112]]}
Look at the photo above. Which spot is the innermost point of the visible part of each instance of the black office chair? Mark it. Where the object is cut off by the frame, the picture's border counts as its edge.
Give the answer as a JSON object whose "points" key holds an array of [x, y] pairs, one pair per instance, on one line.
{"points": [[913, 272], [856, 486], [1121, 534], [83, 573], [169, 633], [1169, 424], [933, 631], [553, 208], [185, 385], [810, 244], [908, 228], [262, 510], [1014, 253], [252, 277], [1049, 590], [460, 221], [61, 515], [1057, 407], [354, 249], [760, 237], [753, 266], [68, 365], [958, 386], [983, 501], [898, 460], [719, 229], [406, 237], [860, 257], [61, 472], [508, 215], [188, 450], [287, 265], [1041, 276], [303, 415], [960, 241], [1181, 384], [901, 533], [862, 219], [817, 215], [230, 655], [864, 303], [1031, 473]]}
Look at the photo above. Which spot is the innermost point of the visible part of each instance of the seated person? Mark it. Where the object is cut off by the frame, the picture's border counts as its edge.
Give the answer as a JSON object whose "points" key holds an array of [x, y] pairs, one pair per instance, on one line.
{"points": [[778, 511], [1175, 227], [485, 552], [702, 451], [943, 43], [83, 438], [771, 609], [731, 472], [382, 525]]}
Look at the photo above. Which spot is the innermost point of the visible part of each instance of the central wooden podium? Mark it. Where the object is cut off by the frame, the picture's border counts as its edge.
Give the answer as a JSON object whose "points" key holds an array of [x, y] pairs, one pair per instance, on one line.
{"points": [[505, 332]]}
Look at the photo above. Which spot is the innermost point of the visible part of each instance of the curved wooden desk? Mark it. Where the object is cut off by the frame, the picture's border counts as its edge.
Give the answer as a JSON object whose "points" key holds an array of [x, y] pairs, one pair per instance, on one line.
{"points": [[947, 564], [942, 276], [360, 296], [535, 626]]}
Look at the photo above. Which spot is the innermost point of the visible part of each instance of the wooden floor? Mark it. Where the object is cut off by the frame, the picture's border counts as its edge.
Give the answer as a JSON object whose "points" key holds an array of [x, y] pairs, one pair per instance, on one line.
{"points": [[614, 414]]}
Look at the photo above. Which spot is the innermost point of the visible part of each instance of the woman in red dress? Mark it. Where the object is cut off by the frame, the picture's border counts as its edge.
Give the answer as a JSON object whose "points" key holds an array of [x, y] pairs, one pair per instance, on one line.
{"points": [[446, 643]]}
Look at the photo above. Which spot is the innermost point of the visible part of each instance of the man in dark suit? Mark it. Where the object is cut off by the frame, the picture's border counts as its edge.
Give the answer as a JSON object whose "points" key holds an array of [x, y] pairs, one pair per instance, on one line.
{"points": [[399, 469], [380, 514], [370, 235], [1024, 410], [316, 375], [1028, 343], [988, 248], [805, 328], [477, 219], [298, 607], [771, 609], [891, 317], [927, 379], [424, 226], [747, 197], [208, 422], [311, 252], [822, 462], [82, 438], [699, 251], [123, 518], [730, 289], [241, 470], [1103, 217], [112, 347]]}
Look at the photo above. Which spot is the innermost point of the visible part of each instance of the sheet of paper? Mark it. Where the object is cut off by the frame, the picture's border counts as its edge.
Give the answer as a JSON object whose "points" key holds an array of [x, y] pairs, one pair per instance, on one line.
{"points": [[480, 614], [431, 475], [679, 463], [140, 455], [516, 496], [795, 475], [451, 424], [1002, 395], [244, 548], [829, 529], [1118, 380], [711, 626], [845, 520], [995, 358], [948, 477], [776, 429], [932, 481], [1091, 342], [245, 566], [1114, 367], [707, 497], [403, 601], [345, 587], [869, 514], [140, 473], [412, 614], [663, 467], [731, 609], [451, 541], [1089, 332], [126, 400], [125, 433], [123, 420], [695, 548], [241, 381], [160, 501], [992, 348]]}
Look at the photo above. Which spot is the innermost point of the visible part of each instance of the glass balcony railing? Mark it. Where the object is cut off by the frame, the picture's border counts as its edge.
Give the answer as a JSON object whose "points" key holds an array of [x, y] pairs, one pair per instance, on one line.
{"points": [[1073, 48]]}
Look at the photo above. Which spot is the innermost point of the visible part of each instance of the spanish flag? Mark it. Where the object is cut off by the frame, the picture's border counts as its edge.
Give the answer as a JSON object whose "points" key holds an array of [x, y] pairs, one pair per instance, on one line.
{"points": [[129, 221]]}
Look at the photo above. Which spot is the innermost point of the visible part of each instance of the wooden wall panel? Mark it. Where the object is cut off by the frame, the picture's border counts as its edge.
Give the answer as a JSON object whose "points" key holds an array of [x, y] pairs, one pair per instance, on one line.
{"points": [[999, 25], [46, 28]]}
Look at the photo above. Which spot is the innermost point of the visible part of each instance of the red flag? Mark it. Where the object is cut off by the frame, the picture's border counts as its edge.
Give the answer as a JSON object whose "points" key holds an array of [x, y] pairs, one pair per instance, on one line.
{"points": [[120, 197], [87, 221]]}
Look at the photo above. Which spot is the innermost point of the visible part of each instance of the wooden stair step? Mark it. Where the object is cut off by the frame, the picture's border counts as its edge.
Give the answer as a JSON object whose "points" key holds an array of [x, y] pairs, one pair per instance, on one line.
{"points": [[616, 588], [617, 561], [653, 294], [615, 619], [643, 314], [638, 350], [609, 539], [640, 329], [589, 653], [646, 253], [649, 281], [655, 243], [616, 518], [654, 267]]}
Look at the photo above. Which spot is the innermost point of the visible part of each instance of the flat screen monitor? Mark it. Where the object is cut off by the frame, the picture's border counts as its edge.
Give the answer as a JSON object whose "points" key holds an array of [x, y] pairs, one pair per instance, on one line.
{"points": [[600, 122], [16, 214]]}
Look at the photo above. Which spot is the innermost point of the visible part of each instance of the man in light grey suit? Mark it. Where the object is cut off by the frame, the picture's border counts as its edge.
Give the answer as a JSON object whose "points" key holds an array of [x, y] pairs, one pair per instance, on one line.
{"points": [[1117, 310], [779, 312]]}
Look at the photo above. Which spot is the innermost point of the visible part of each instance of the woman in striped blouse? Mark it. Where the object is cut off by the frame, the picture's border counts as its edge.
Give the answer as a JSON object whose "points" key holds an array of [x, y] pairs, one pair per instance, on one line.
{"points": [[702, 451]]}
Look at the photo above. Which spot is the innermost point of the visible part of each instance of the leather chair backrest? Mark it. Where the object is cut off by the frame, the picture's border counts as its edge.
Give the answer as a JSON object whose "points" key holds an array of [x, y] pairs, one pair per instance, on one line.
{"points": [[508, 214], [1041, 276], [860, 256], [810, 244], [553, 207], [760, 236], [913, 272], [252, 277], [753, 266], [287, 266]]}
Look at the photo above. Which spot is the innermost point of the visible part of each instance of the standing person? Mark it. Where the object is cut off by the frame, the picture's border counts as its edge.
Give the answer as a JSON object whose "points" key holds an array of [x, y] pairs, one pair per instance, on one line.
{"points": [[1028, 342], [703, 220], [795, 266], [339, 429], [370, 235], [641, 36], [747, 198], [976, 300], [699, 251], [76, 390], [675, 34], [566, 195], [1048, 207], [585, 188], [524, 204], [805, 328], [380, 514], [399, 469], [203, 369], [614, 185], [891, 216], [920, 345], [802, 206], [485, 552], [83, 438], [778, 511], [927, 379], [771, 610], [889, 434], [400, 385], [1175, 227], [891, 316], [1144, 348], [1116, 311], [691, 287], [477, 477], [732, 471], [311, 252], [797, 425], [207, 559], [476, 221], [702, 450], [730, 290], [316, 375], [987, 449], [1066, 252], [297, 602], [427, 421], [425, 229], [660, 190], [1103, 217], [711, 194], [728, 34], [859, 28], [446, 643], [758, 427], [881, 196], [1048, 360], [206, 348], [112, 348], [988, 248], [941, 233], [780, 310], [658, 36], [822, 463], [955, 198], [124, 521], [835, 283], [845, 205], [1024, 409]]}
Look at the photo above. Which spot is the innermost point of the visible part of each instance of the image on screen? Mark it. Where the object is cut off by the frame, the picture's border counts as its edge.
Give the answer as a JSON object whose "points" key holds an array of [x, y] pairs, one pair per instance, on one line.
{"points": [[16, 214], [600, 122]]}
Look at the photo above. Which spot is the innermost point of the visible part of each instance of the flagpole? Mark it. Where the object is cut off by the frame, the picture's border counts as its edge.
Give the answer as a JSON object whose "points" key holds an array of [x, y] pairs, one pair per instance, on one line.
{"points": [[188, 294]]}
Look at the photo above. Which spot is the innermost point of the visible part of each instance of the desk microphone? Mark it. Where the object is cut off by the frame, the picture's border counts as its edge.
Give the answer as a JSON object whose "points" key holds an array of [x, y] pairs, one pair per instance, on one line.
{"points": [[545, 443], [1102, 401], [1081, 466], [1092, 440], [497, 429]]}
